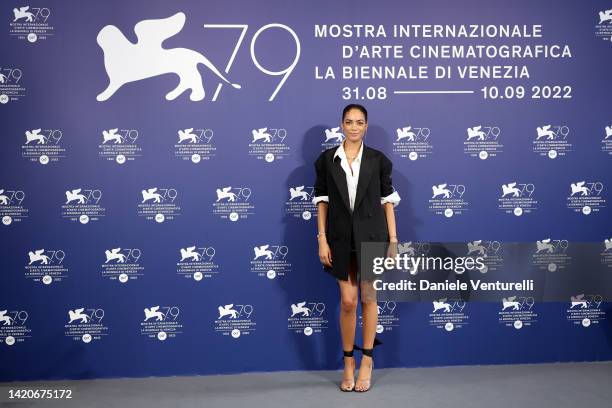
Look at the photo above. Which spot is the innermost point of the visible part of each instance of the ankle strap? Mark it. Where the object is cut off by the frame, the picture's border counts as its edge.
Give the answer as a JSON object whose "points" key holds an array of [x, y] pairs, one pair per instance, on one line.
{"points": [[369, 352], [348, 353]]}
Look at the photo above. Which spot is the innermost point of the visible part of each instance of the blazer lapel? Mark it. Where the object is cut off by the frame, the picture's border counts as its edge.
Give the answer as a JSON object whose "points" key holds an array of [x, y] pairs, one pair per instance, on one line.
{"points": [[365, 174], [340, 178]]}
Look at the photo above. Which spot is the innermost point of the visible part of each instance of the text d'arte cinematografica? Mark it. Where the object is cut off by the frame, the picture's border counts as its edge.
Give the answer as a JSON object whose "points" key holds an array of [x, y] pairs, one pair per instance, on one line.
{"points": [[409, 48]]}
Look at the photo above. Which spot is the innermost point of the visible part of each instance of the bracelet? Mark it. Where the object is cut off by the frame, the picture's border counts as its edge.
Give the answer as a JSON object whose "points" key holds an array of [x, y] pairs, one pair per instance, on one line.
{"points": [[320, 234]]}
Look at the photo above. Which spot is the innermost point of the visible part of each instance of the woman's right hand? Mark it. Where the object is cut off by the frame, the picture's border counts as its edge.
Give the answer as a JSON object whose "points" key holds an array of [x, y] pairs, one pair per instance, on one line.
{"points": [[325, 255]]}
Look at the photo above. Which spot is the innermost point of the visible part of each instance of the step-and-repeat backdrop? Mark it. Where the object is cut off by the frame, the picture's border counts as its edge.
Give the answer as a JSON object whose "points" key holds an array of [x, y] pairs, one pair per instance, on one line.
{"points": [[157, 176]]}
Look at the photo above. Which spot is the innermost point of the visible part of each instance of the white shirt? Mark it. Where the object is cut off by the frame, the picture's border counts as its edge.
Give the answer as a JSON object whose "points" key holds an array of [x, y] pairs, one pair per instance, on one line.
{"points": [[352, 178]]}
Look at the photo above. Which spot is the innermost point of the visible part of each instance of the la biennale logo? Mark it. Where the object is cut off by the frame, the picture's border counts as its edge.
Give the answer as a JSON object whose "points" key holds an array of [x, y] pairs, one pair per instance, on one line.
{"points": [[261, 134], [153, 312], [333, 135], [225, 193], [603, 28], [127, 62], [77, 314], [298, 192], [35, 135], [227, 310], [6, 320], [23, 13], [38, 256]]}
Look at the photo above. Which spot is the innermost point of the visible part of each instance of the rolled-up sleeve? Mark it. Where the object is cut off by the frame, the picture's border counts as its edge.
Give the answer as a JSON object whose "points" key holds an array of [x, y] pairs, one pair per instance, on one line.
{"points": [[320, 187], [387, 193], [393, 198]]}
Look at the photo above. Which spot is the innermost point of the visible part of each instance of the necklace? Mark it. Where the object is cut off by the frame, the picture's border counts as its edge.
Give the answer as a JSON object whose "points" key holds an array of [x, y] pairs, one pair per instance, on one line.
{"points": [[350, 157]]}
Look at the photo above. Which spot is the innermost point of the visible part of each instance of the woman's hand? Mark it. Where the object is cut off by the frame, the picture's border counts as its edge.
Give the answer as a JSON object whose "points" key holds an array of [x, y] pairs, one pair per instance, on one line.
{"points": [[325, 255], [392, 249]]}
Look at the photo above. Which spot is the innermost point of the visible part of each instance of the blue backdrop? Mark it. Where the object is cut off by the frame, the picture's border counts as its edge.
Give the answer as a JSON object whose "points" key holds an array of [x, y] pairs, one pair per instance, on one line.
{"points": [[85, 251]]}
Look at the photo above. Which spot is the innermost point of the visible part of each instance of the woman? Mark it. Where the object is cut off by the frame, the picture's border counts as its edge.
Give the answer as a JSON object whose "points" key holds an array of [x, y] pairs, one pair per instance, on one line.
{"points": [[355, 200]]}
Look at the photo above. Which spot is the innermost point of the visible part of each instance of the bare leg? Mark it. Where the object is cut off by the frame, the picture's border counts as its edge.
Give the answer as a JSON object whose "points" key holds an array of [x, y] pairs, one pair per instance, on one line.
{"points": [[348, 321], [369, 309]]}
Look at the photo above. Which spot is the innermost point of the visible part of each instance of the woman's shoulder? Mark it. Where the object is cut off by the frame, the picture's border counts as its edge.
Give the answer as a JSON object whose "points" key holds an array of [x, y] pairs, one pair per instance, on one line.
{"points": [[327, 154]]}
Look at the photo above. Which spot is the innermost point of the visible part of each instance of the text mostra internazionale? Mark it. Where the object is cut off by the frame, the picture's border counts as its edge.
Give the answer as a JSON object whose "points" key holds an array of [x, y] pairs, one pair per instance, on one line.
{"points": [[428, 31]]}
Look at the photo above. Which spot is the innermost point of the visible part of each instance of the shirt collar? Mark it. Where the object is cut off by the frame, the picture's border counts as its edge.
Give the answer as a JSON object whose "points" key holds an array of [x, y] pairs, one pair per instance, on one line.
{"points": [[342, 154]]}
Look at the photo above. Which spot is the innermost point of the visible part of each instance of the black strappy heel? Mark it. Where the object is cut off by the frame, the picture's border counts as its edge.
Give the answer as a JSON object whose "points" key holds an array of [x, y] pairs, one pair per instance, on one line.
{"points": [[368, 352], [352, 388]]}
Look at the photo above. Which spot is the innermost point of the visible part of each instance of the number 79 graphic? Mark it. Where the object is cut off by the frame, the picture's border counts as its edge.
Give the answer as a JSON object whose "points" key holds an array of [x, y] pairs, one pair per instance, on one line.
{"points": [[243, 29]]}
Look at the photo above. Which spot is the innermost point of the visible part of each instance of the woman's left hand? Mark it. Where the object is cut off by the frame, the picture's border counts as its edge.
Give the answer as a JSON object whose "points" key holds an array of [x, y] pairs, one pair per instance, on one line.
{"points": [[392, 250]]}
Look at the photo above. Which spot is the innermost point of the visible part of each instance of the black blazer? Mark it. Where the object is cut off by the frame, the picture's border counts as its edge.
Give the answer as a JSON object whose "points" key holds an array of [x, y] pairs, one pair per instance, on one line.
{"points": [[367, 221]]}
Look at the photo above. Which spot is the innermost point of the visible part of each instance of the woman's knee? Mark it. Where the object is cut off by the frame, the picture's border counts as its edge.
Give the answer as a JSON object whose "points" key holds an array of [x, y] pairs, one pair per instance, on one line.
{"points": [[348, 304], [368, 293]]}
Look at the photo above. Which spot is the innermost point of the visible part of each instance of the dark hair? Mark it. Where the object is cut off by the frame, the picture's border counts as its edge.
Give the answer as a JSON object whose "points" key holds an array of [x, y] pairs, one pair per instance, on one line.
{"points": [[355, 106]]}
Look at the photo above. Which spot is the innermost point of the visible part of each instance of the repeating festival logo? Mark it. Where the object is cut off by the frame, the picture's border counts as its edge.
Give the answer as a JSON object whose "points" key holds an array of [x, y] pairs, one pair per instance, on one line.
{"points": [[13, 328], [46, 266], [413, 142], [332, 138], [233, 203], [120, 145], [603, 28], [585, 197], [11, 88], [270, 261], [517, 312], [606, 254], [551, 254], [235, 320], [490, 252], [197, 262], [122, 264], [551, 141], [268, 144], [447, 199], [387, 316], [300, 203], [483, 142], [585, 310], [159, 204], [43, 146], [413, 249], [31, 23], [448, 314], [11, 206], [83, 205], [195, 144], [161, 324], [86, 324], [606, 142], [517, 198], [307, 318]]}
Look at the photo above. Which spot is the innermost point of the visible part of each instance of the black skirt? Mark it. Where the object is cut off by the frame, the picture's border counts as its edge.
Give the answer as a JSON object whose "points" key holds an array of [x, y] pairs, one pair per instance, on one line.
{"points": [[353, 258]]}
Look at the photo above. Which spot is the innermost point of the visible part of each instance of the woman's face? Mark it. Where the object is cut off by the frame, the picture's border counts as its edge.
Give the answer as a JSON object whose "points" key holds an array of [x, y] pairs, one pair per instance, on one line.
{"points": [[354, 125]]}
